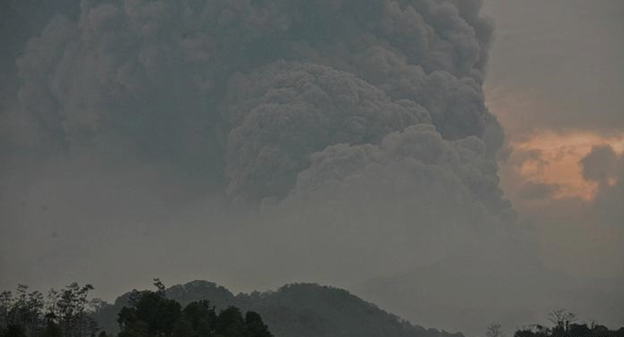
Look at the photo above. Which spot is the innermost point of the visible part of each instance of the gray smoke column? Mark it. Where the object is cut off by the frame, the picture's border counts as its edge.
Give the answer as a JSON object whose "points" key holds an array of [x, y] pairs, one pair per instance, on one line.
{"points": [[355, 130], [294, 110], [247, 90]]}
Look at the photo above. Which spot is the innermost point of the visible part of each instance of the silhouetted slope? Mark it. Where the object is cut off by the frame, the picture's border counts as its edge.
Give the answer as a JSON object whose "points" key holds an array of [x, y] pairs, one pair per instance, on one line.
{"points": [[313, 310], [296, 310], [219, 296]]}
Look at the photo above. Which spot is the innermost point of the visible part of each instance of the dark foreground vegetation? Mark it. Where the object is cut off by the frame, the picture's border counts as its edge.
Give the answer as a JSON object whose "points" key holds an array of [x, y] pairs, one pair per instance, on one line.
{"points": [[60, 313], [293, 310], [203, 309], [153, 314], [565, 324], [69, 313]]}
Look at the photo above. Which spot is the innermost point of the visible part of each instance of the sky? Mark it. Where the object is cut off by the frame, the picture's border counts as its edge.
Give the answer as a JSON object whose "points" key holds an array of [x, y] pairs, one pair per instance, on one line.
{"points": [[555, 80], [435, 157]]}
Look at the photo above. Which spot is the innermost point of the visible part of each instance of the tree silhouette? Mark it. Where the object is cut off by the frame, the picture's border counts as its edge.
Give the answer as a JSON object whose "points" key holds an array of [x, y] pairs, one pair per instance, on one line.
{"points": [[564, 326], [561, 319], [152, 314], [66, 313], [494, 330]]}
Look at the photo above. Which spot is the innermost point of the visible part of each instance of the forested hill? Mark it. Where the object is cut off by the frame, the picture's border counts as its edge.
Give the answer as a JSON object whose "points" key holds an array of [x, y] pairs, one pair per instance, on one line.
{"points": [[293, 311]]}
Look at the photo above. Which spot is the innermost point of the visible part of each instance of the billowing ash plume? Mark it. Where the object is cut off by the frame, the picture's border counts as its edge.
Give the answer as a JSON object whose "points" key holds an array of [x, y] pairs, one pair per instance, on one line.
{"points": [[420, 154], [282, 114], [355, 129], [248, 90]]}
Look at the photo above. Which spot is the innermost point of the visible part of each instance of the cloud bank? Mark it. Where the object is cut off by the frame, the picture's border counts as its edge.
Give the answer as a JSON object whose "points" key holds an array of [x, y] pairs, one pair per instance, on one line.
{"points": [[197, 82], [330, 141]]}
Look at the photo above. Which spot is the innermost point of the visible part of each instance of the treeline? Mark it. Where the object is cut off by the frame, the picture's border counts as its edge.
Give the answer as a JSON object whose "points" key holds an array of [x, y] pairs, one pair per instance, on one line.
{"points": [[302, 309], [151, 313], [564, 324], [63, 313], [68, 313], [294, 310]]}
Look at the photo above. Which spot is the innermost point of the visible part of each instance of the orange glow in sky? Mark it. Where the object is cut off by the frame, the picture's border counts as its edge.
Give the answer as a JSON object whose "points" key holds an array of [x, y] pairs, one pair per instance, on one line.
{"points": [[556, 157]]}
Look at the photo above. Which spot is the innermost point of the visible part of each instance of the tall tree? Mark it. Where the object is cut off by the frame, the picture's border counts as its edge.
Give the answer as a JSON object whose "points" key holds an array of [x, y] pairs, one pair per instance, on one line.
{"points": [[255, 325]]}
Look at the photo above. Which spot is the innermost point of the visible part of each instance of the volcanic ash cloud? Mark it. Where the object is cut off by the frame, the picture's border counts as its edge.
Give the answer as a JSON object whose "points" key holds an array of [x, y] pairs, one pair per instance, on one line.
{"points": [[251, 89]]}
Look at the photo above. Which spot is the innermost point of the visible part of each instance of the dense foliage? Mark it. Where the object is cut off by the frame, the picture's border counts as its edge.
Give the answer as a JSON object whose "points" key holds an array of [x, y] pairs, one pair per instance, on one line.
{"points": [[292, 311], [69, 313], [64, 313], [151, 313], [203, 309], [565, 325]]}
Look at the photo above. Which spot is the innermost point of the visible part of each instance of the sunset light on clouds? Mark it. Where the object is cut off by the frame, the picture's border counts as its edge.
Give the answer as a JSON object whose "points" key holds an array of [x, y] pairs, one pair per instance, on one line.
{"points": [[458, 163], [555, 82], [554, 159]]}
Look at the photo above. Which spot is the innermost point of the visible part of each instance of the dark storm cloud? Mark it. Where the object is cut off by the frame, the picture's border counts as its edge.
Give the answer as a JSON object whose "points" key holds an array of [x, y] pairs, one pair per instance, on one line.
{"points": [[604, 166], [195, 82], [417, 153], [283, 113], [357, 127], [601, 164]]}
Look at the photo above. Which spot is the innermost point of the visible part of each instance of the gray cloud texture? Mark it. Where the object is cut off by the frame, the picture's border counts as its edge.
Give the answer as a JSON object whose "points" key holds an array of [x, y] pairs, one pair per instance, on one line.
{"points": [[604, 166], [286, 112], [356, 130], [251, 88]]}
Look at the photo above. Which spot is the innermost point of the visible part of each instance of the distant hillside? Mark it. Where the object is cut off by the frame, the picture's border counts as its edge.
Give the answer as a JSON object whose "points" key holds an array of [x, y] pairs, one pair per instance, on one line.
{"points": [[479, 294], [296, 310]]}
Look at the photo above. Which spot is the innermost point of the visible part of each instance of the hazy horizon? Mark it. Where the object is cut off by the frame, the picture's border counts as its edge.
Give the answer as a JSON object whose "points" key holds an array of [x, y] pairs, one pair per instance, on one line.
{"points": [[433, 157]]}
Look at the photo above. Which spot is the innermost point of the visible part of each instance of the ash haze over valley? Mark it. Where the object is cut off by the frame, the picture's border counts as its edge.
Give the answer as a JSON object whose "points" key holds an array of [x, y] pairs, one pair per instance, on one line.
{"points": [[454, 162]]}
